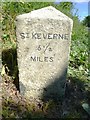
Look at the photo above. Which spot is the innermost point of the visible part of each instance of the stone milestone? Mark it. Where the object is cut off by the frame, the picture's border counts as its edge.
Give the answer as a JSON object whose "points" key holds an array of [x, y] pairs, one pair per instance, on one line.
{"points": [[43, 45]]}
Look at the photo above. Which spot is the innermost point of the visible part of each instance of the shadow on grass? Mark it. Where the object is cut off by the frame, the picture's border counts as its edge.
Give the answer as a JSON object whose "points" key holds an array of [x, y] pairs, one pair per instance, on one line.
{"points": [[69, 107], [9, 60]]}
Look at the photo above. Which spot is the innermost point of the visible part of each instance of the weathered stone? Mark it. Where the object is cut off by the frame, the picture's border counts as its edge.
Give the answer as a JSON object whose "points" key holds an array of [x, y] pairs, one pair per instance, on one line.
{"points": [[43, 42]]}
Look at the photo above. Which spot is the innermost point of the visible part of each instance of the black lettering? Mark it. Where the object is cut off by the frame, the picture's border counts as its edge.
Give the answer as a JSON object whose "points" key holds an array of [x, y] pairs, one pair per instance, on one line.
{"points": [[45, 36], [22, 35], [33, 58], [61, 36], [34, 35], [54, 36], [39, 36], [50, 49], [27, 35], [49, 36], [39, 59], [66, 36], [51, 59], [39, 48], [46, 59]]}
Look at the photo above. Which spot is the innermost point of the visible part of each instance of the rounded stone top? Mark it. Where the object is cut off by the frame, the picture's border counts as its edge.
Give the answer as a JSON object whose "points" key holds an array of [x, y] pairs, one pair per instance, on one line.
{"points": [[45, 13]]}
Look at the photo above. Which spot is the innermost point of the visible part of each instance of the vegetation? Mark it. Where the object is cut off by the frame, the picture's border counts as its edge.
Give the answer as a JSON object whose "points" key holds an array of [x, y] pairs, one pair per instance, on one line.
{"points": [[78, 90], [86, 21]]}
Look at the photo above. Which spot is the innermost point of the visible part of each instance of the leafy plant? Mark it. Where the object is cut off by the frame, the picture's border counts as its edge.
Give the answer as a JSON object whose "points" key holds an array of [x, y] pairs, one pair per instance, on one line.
{"points": [[86, 107]]}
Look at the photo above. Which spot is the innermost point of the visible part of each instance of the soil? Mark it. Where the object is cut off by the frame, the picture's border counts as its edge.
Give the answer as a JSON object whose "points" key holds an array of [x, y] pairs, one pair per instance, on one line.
{"points": [[16, 106]]}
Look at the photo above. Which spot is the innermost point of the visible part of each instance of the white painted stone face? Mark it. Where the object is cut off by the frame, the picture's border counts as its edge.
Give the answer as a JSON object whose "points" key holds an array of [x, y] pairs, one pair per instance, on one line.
{"points": [[43, 43]]}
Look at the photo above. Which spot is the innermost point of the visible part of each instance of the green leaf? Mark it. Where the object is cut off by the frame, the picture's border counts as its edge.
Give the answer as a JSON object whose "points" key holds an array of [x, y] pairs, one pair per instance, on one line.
{"points": [[86, 107]]}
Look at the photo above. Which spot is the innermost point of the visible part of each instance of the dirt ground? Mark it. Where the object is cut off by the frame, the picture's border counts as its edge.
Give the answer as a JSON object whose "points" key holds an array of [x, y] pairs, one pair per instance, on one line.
{"points": [[16, 106]]}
